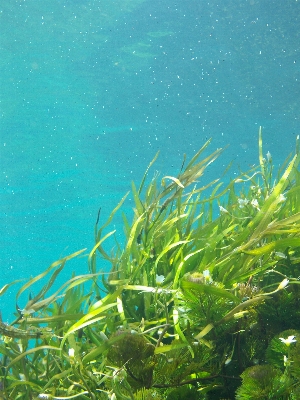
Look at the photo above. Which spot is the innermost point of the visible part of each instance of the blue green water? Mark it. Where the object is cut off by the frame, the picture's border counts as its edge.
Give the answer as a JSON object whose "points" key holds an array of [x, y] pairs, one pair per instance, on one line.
{"points": [[91, 90]]}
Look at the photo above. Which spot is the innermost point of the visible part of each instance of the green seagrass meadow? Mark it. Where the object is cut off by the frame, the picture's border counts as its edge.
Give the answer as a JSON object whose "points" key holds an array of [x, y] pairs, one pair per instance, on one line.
{"points": [[202, 301]]}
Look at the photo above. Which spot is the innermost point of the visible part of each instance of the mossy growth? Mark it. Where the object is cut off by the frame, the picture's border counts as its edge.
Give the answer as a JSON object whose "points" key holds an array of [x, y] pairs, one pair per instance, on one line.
{"points": [[137, 354], [260, 382], [206, 281], [280, 377]]}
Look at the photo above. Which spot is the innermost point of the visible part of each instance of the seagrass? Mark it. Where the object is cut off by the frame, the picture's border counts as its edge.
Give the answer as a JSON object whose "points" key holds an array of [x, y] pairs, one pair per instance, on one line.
{"points": [[205, 276]]}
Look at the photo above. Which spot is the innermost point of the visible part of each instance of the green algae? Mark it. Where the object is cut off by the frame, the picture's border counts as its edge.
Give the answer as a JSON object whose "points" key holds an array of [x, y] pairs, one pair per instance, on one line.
{"points": [[190, 304]]}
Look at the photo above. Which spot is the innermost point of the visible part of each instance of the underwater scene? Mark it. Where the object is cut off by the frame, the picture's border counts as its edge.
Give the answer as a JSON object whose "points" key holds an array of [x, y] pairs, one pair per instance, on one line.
{"points": [[150, 199]]}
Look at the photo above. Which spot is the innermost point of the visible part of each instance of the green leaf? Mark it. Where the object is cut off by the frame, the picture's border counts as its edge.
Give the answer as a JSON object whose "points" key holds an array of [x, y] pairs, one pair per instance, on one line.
{"points": [[208, 289]]}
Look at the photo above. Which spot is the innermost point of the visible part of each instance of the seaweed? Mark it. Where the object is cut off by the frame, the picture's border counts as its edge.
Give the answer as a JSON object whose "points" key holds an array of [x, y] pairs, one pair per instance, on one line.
{"points": [[206, 281]]}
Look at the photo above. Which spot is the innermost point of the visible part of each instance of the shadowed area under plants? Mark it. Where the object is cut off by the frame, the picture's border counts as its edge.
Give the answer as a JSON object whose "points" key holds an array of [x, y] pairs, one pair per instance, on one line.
{"points": [[201, 302]]}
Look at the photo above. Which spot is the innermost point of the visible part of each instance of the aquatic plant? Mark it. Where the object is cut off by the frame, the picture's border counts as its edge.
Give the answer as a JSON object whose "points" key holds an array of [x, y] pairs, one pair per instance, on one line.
{"points": [[206, 281]]}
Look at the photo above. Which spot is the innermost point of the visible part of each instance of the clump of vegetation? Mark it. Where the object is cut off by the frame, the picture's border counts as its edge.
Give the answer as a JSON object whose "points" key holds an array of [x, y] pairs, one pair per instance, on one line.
{"points": [[191, 303]]}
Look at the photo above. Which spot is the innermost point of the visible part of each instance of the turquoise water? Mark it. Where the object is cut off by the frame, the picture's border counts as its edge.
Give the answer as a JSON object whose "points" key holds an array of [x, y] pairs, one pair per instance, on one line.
{"points": [[91, 90]]}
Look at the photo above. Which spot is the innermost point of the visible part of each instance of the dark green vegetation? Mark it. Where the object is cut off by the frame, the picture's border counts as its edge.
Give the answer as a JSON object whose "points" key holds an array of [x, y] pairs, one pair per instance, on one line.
{"points": [[194, 306]]}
